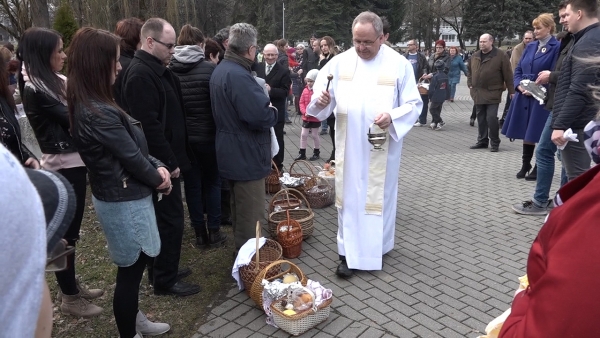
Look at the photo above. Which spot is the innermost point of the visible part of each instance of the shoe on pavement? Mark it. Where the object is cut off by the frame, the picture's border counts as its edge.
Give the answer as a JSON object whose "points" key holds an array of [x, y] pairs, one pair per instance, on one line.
{"points": [[147, 328], [472, 122], [181, 289], [440, 126], [419, 124], [288, 121], [494, 149], [343, 270], [78, 306], [479, 146], [529, 208], [432, 126], [323, 132]]}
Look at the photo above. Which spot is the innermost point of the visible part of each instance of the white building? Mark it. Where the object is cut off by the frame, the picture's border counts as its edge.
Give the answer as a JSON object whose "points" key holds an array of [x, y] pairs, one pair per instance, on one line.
{"points": [[448, 34]]}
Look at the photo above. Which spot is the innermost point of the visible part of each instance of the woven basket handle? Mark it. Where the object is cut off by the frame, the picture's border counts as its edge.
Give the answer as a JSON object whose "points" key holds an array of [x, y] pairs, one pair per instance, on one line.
{"points": [[264, 271], [282, 191], [301, 195], [308, 164], [276, 169], [257, 245]]}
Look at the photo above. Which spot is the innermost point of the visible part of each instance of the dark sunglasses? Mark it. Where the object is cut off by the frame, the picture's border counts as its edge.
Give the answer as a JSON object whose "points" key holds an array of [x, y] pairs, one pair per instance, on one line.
{"points": [[57, 259], [168, 45]]}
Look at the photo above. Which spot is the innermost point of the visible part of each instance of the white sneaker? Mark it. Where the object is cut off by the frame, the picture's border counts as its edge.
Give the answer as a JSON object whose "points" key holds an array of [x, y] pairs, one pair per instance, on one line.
{"points": [[432, 125], [147, 328], [418, 124], [439, 126]]}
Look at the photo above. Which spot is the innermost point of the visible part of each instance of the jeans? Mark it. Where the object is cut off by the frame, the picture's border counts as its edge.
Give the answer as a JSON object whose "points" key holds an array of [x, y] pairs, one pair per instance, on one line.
{"points": [[423, 115], [544, 159], [324, 125], [202, 187], [452, 90], [487, 122]]}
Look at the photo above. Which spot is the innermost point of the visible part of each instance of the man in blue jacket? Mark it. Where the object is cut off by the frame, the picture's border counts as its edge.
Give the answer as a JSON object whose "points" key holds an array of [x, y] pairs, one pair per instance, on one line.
{"points": [[243, 116]]}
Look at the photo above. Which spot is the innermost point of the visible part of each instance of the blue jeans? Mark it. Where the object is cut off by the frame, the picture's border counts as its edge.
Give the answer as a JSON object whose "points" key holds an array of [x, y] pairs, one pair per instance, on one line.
{"points": [[544, 159], [202, 185], [324, 125], [423, 115], [452, 90]]}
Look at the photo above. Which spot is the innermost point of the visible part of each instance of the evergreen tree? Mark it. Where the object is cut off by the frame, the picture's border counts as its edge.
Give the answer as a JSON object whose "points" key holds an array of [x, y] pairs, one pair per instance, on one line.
{"points": [[65, 23]]}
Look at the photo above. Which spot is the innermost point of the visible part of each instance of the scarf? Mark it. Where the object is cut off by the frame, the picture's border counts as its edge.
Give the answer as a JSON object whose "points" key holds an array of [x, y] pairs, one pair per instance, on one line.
{"points": [[43, 88], [591, 140], [240, 60]]}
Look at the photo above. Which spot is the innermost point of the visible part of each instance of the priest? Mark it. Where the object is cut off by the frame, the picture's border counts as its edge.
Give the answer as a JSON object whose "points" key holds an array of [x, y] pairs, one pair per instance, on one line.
{"points": [[373, 89]]}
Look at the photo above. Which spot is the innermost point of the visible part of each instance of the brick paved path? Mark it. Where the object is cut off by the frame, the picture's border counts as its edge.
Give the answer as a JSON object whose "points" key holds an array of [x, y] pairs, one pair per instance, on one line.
{"points": [[459, 247]]}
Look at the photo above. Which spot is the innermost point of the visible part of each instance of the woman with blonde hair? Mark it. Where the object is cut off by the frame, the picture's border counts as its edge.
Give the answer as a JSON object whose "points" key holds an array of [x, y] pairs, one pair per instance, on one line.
{"points": [[526, 116]]}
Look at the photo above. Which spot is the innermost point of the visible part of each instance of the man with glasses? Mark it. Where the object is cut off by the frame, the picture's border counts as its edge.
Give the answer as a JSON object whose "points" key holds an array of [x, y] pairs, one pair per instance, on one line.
{"points": [[152, 95], [420, 68], [373, 88]]}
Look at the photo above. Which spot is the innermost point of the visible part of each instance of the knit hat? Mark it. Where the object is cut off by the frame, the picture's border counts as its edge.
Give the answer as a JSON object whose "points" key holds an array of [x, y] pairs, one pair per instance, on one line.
{"points": [[439, 65], [312, 74], [59, 201], [440, 43]]}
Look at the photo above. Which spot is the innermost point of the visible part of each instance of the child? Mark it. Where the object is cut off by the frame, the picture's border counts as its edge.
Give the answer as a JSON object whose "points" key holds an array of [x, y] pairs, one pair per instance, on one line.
{"points": [[309, 123], [438, 93]]}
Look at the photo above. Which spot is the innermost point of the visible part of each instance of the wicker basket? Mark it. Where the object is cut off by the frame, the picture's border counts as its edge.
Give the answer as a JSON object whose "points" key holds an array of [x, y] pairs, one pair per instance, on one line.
{"points": [[271, 272], [309, 179], [272, 184], [284, 200], [271, 251], [301, 322], [289, 236], [304, 216], [321, 195], [423, 86]]}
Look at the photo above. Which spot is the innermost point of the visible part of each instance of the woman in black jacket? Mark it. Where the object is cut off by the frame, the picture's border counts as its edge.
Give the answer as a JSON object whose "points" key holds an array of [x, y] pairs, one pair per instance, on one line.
{"points": [[129, 31], [10, 131], [122, 174], [327, 52], [43, 91], [202, 183]]}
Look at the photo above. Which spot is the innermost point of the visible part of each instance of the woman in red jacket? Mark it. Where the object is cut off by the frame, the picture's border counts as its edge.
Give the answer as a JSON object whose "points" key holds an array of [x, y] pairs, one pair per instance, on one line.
{"points": [[309, 124]]}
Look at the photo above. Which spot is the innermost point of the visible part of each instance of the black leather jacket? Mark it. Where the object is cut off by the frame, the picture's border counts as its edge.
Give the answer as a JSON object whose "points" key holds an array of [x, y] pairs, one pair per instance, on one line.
{"points": [[113, 147], [49, 119]]}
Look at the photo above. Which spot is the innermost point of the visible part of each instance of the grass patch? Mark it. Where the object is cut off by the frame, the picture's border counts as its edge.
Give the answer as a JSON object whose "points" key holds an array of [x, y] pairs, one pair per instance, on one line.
{"points": [[211, 269]]}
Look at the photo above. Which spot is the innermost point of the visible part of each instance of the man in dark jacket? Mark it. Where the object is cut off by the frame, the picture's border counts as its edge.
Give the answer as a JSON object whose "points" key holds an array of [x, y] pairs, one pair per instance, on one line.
{"points": [[420, 67], [243, 116], [152, 95], [573, 104], [311, 55], [488, 76], [278, 84], [540, 203]]}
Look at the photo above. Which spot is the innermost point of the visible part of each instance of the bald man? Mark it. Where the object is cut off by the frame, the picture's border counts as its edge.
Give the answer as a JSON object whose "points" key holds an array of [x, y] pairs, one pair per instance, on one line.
{"points": [[489, 75], [278, 84]]}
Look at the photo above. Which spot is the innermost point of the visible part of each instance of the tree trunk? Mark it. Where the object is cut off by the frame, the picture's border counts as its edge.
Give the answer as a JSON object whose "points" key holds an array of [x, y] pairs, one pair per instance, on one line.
{"points": [[39, 13]]}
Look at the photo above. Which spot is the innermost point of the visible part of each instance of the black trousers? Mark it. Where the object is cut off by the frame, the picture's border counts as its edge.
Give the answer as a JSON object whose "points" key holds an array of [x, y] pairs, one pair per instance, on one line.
{"points": [[331, 124], [435, 109], [278, 159], [126, 297], [169, 219]]}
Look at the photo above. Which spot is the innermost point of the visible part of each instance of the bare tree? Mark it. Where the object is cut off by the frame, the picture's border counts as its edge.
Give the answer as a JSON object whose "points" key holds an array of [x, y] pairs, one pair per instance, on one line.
{"points": [[39, 13]]}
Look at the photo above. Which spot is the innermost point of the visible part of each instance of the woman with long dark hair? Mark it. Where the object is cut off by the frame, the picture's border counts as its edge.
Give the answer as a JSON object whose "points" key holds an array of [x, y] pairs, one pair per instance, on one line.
{"points": [[43, 91], [122, 174], [327, 52]]}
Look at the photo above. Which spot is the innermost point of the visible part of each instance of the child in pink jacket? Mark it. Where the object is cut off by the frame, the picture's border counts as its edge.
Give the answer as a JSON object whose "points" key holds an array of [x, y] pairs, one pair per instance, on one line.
{"points": [[309, 123]]}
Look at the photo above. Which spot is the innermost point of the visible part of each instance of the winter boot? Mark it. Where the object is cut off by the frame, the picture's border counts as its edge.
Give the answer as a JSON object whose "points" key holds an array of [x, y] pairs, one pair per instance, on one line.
{"points": [[88, 294], [527, 155], [201, 236], [216, 238], [147, 328], [302, 155], [532, 175], [78, 306], [316, 153]]}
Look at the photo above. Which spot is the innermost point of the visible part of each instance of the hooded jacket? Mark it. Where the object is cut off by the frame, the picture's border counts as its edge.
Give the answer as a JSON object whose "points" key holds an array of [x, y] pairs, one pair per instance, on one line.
{"points": [[194, 72]]}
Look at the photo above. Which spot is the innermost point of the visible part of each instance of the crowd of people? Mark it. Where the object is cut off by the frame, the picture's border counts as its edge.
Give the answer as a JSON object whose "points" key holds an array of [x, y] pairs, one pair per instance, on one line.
{"points": [[145, 107]]}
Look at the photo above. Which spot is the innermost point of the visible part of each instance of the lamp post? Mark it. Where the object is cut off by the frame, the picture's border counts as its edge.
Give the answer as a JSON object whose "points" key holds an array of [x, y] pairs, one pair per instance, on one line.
{"points": [[283, 14]]}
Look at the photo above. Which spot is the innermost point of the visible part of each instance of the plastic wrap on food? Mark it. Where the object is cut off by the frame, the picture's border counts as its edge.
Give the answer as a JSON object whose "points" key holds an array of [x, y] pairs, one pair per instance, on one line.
{"points": [[291, 182]]}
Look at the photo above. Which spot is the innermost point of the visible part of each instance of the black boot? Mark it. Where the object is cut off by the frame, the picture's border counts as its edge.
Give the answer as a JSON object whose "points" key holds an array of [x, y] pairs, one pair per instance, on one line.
{"points": [[332, 157], [343, 270], [201, 236], [533, 175], [302, 156], [216, 238], [316, 153], [527, 155]]}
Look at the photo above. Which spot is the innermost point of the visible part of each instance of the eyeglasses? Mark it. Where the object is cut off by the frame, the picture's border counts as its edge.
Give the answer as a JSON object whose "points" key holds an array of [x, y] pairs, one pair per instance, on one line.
{"points": [[168, 45], [57, 260], [364, 43]]}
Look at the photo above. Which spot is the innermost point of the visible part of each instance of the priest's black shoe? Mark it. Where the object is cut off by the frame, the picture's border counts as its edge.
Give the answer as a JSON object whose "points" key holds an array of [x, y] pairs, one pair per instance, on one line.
{"points": [[343, 270], [180, 289], [479, 146]]}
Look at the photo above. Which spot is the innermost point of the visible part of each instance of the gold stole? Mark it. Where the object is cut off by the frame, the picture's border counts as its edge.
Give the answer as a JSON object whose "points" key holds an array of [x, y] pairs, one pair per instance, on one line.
{"points": [[386, 86]]}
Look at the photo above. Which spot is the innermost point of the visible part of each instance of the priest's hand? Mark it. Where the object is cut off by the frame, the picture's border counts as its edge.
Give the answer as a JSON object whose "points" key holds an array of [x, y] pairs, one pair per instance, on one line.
{"points": [[383, 120], [323, 100]]}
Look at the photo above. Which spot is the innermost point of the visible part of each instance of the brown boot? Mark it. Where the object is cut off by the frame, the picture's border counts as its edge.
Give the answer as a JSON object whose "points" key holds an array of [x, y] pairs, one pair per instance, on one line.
{"points": [[78, 306], [88, 294]]}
